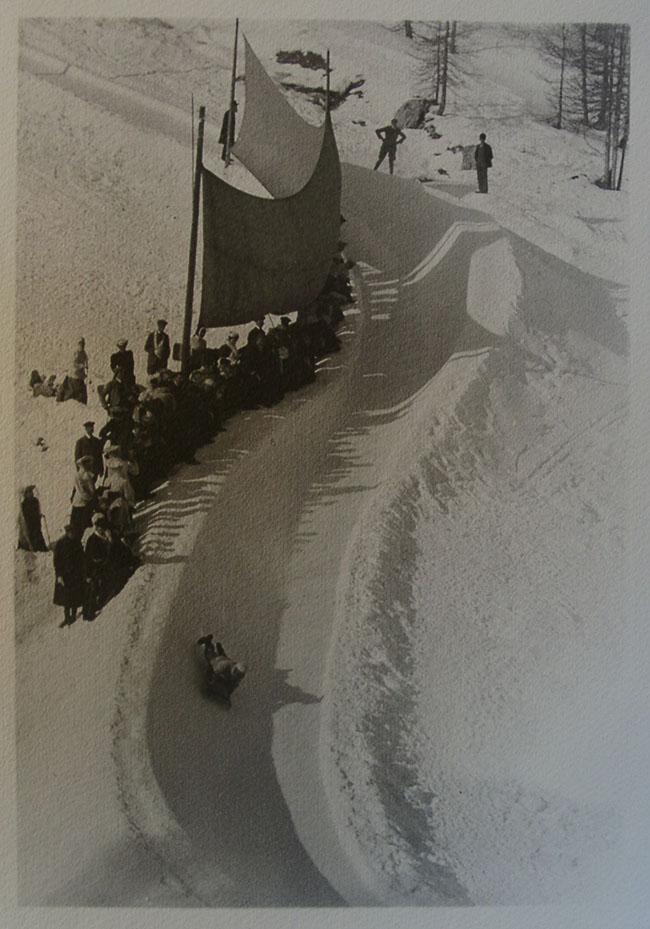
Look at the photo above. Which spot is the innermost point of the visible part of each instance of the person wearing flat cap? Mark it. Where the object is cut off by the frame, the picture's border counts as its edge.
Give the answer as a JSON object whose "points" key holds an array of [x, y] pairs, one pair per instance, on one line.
{"points": [[89, 444], [157, 348], [122, 359]]}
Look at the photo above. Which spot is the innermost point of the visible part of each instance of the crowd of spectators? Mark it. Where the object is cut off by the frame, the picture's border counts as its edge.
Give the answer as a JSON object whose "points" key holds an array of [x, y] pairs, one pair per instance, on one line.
{"points": [[151, 427]]}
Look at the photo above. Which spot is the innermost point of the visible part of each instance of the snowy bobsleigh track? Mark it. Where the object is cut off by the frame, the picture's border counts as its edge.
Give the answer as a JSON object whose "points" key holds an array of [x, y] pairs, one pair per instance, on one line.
{"points": [[251, 577], [249, 808], [269, 774]]}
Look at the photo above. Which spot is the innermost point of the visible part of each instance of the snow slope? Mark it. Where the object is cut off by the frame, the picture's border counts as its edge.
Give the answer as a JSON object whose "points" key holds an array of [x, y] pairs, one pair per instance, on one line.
{"points": [[484, 581], [500, 508]]}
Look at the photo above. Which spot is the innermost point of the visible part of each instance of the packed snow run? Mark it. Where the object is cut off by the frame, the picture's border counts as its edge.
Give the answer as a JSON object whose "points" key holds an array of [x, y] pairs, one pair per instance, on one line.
{"points": [[419, 554]]}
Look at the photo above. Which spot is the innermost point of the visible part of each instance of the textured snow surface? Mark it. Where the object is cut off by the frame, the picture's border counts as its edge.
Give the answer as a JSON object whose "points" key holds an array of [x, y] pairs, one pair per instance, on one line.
{"points": [[471, 634], [482, 601]]}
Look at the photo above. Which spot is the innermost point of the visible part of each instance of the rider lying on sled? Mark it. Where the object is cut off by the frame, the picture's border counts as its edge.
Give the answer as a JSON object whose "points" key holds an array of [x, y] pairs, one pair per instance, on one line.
{"points": [[223, 675]]}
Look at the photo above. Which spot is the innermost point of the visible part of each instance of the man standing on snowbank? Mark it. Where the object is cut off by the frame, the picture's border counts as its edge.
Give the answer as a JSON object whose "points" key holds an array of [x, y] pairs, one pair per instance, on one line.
{"points": [[68, 569], [157, 348], [391, 136], [483, 159], [123, 361], [89, 444], [227, 134]]}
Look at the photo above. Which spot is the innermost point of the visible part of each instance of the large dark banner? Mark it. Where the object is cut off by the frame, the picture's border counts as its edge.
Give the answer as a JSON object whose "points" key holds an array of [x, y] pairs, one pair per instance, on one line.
{"points": [[269, 256]]}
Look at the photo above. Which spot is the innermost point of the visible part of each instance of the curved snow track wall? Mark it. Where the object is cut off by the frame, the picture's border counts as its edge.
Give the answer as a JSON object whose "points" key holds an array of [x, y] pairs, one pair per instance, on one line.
{"points": [[478, 629]]}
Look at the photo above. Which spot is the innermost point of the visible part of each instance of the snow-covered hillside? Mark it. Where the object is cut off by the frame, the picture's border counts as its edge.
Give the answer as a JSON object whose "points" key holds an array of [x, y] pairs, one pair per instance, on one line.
{"points": [[494, 484], [105, 173]]}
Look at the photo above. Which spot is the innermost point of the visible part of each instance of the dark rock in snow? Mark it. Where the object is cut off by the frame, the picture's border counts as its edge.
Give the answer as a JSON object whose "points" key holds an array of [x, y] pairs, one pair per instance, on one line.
{"points": [[412, 113]]}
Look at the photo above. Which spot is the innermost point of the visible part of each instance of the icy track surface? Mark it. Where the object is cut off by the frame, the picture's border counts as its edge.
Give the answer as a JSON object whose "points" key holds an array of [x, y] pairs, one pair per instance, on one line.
{"points": [[429, 603]]}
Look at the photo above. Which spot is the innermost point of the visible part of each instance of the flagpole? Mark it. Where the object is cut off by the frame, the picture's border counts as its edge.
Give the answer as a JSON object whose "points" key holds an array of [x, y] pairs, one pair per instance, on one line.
{"points": [[231, 109], [192, 128], [189, 297], [327, 91]]}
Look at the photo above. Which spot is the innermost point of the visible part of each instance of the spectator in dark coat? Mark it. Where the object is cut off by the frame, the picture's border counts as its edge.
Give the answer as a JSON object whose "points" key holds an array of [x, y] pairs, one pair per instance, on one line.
{"points": [[73, 385], [79, 372], [30, 534], [118, 399], [79, 367], [121, 565], [227, 139], [483, 160], [68, 569], [198, 349], [97, 552], [123, 361], [89, 444], [157, 348]]}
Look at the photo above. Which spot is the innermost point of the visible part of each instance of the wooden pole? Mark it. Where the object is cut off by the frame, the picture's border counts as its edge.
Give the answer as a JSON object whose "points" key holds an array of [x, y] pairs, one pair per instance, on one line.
{"points": [[623, 146], [189, 298], [192, 129], [327, 88], [231, 108]]}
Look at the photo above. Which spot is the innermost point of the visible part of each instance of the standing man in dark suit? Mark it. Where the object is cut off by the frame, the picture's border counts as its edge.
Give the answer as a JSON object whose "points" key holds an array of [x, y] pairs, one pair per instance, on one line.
{"points": [[157, 348], [68, 569], [123, 359], [483, 159], [89, 444], [227, 138]]}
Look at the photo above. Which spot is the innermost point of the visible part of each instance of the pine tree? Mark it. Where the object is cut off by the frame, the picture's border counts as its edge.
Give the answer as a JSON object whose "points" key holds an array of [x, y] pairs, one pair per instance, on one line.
{"points": [[445, 71], [556, 44], [560, 100], [620, 108], [584, 74]]}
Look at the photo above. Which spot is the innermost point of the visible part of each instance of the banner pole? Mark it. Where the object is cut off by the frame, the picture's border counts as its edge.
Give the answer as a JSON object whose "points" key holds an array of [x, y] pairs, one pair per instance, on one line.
{"points": [[189, 297], [327, 92], [192, 129], [231, 109]]}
